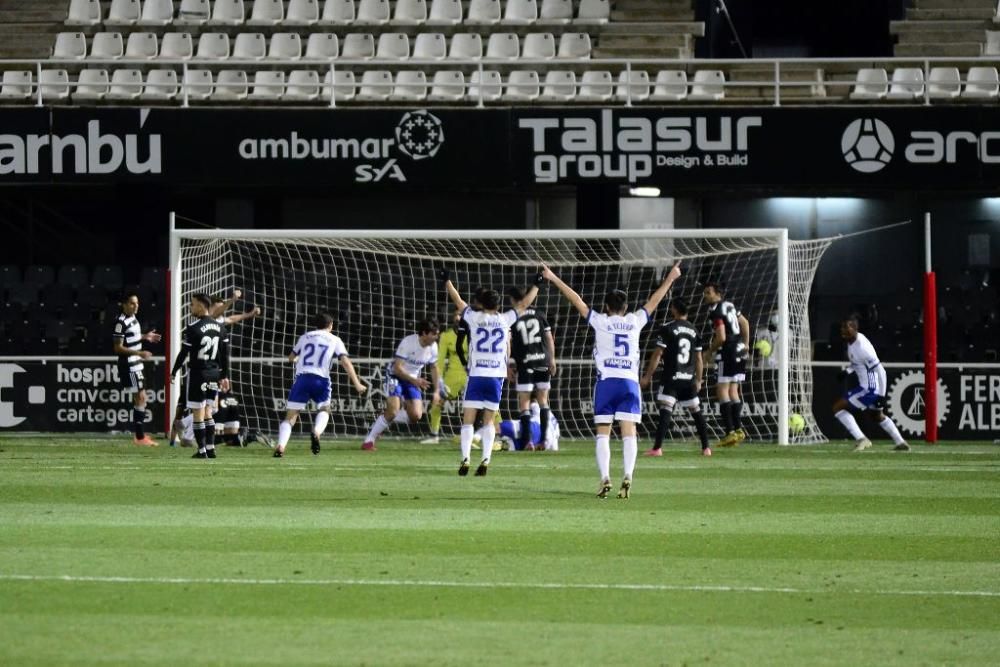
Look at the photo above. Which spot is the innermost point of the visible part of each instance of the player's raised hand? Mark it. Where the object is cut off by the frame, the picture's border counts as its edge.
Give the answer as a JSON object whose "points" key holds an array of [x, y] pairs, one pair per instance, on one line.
{"points": [[675, 271], [256, 311], [443, 275], [546, 273], [237, 293], [151, 336]]}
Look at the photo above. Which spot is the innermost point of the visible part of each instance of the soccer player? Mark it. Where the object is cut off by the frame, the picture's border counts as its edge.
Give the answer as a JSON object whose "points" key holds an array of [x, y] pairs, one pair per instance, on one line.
{"points": [[678, 348], [403, 383], [533, 354], [510, 432], [204, 341], [127, 342], [313, 355], [217, 311], [228, 418], [451, 369], [616, 354], [489, 343], [730, 348], [869, 395]]}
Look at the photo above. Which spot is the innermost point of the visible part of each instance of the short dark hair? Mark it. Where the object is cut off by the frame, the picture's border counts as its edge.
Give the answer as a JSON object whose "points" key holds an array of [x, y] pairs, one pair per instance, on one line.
{"points": [[427, 325], [516, 293], [715, 285], [616, 300], [477, 296], [680, 305], [852, 318], [323, 319], [217, 299], [489, 299], [203, 299], [128, 294]]}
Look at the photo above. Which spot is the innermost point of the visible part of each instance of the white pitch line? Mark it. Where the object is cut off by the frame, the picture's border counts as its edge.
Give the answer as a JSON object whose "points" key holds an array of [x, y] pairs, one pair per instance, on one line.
{"points": [[417, 583]]}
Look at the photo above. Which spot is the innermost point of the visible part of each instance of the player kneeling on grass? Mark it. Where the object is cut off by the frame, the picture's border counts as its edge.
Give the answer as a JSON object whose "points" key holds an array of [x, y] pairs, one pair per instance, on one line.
{"points": [[313, 356], [869, 395], [616, 354]]}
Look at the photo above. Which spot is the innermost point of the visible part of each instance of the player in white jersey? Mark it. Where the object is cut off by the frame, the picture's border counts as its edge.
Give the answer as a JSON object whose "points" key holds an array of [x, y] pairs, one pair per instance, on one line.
{"points": [[869, 395], [616, 355], [313, 355], [489, 347], [404, 385]]}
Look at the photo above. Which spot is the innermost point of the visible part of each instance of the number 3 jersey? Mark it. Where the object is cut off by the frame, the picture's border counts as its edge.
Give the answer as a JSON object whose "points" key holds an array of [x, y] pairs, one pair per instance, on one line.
{"points": [[316, 351], [616, 343], [679, 342], [489, 338]]}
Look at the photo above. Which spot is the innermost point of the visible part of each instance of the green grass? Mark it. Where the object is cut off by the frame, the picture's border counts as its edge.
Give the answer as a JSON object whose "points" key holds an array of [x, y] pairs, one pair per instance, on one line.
{"points": [[113, 555]]}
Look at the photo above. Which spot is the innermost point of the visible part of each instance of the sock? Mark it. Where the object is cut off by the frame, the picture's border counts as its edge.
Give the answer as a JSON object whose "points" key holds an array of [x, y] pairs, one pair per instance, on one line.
{"points": [[482, 431], [727, 416], [630, 449], [434, 420], [851, 424], [319, 424], [889, 427], [401, 417], [209, 433], [699, 424], [284, 433], [543, 423], [662, 427], [466, 441], [138, 416], [199, 436], [525, 435], [378, 428], [488, 435], [737, 409], [603, 448]]}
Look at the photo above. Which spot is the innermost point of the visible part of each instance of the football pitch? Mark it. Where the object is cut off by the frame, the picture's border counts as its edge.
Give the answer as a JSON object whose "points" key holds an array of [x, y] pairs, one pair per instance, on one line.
{"points": [[115, 555]]}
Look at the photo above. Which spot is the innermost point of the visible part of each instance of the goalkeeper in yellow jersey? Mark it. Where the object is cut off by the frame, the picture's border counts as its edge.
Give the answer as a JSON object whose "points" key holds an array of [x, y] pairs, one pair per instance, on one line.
{"points": [[452, 355]]}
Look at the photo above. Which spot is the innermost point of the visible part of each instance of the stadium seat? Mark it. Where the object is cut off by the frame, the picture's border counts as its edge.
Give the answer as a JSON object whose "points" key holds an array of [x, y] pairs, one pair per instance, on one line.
{"points": [[57, 329], [410, 86], [907, 84], [556, 11], [520, 12], [539, 46], [671, 86], [266, 12], [872, 84], [16, 85], [593, 12], [595, 86], [153, 277], [198, 84], [161, 85], [156, 12], [249, 46], [91, 85], [372, 12], [72, 275], [10, 275], [23, 295], [57, 297], [107, 276], [303, 86], [302, 12], [322, 46], [91, 297], [503, 46], [981, 83], [376, 85], [393, 46], [574, 45], [70, 45], [522, 86], [177, 45], [632, 85], [123, 12], [141, 45], [358, 45], [285, 46], [268, 86], [430, 46], [39, 275], [992, 45], [126, 84], [231, 85], [213, 46], [341, 84], [483, 12], [944, 83], [337, 12], [489, 85], [466, 46], [410, 12], [227, 12], [106, 45], [448, 86], [193, 12], [708, 84], [560, 86], [54, 84], [445, 12], [84, 12]]}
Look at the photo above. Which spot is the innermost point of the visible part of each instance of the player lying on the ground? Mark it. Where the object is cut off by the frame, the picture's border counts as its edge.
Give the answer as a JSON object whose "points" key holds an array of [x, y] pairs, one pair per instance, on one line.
{"points": [[514, 439], [730, 349], [616, 355], [533, 356]]}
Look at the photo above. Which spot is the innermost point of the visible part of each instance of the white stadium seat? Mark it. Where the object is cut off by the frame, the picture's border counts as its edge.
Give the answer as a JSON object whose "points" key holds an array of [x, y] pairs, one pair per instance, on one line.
{"points": [[161, 84], [992, 45], [303, 86], [266, 12], [574, 45], [122, 12], [358, 45], [372, 12], [483, 12], [285, 46], [341, 83], [191, 12], [376, 86], [872, 83], [337, 12], [213, 46], [522, 86], [198, 84], [410, 12], [250, 46], [539, 46], [671, 86], [231, 85], [393, 46], [556, 11], [445, 12], [177, 45], [520, 12], [448, 86], [302, 12], [593, 12], [156, 12], [430, 46], [16, 85], [633, 85], [944, 83], [91, 85], [54, 84], [981, 83], [488, 85], [84, 12], [70, 45], [907, 84], [410, 86], [126, 84], [595, 87], [107, 45], [227, 12], [466, 46], [560, 86], [322, 46], [503, 46], [268, 86], [708, 84], [141, 45]]}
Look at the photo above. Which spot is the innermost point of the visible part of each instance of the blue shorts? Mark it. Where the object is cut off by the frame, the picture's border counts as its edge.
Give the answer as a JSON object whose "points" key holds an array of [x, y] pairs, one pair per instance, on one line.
{"points": [[862, 399], [617, 398], [396, 387], [309, 387], [483, 393], [507, 431]]}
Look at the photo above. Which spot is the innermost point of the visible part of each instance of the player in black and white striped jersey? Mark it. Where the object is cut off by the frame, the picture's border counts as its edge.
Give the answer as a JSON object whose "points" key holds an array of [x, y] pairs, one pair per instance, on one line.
{"points": [[127, 342]]}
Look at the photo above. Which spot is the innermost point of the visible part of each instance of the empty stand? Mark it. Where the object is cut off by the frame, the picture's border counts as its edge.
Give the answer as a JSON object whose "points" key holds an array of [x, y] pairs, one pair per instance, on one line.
{"points": [[156, 12], [302, 13], [872, 84], [322, 46]]}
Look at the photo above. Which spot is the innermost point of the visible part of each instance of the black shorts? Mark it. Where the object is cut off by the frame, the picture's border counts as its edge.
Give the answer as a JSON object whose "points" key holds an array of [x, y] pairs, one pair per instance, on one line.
{"points": [[228, 409], [678, 391], [533, 378], [131, 380], [202, 387], [732, 364]]}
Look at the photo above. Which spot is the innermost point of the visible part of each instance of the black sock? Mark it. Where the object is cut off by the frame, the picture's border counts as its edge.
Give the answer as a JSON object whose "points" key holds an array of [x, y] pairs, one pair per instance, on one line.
{"points": [[138, 416], [662, 427], [199, 435], [525, 435], [727, 416], [209, 433], [737, 408], [699, 424], [543, 418]]}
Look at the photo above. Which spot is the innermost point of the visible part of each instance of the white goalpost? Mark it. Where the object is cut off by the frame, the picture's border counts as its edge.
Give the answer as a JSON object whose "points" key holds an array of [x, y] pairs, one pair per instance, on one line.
{"points": [[377, 284]]}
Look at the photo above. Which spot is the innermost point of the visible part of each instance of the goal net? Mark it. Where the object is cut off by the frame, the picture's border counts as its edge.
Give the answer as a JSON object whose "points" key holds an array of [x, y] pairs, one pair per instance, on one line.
{"points": [[377, 285]]}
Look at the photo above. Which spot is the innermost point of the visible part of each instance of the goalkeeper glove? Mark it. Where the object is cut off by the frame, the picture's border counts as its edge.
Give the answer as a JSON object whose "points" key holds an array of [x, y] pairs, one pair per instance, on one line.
{"points": [[539, 279], [443, 275]]}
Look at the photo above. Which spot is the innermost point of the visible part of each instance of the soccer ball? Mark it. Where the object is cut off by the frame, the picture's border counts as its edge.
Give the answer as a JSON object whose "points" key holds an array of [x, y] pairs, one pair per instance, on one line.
{"points": [[763, 348], [867, 144], [796, 424]]}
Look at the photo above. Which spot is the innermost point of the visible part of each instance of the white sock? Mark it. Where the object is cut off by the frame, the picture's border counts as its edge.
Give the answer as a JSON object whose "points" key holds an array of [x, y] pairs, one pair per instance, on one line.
{"points": [[401, 417], [319, 424], [378, 428], [630, 449], [483, 429], [284, 433], [466, 440], [604, 456], [889, 427], [851, 424], [487, 444]]}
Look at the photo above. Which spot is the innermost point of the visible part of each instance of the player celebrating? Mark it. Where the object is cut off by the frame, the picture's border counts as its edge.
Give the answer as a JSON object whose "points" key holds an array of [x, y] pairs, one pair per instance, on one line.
{"points": [[127, 344], [869, 395], [533, 355], [730, 348], [313, 355], [208, 371], [489, 341], [451, 369], [616, 354], [680, 379], [403, 384]]}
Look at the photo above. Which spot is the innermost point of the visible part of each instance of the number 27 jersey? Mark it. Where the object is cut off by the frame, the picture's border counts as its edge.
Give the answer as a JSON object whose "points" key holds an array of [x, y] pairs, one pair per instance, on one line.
{"points": [[616, 343], [489, 336], [316, 350]]}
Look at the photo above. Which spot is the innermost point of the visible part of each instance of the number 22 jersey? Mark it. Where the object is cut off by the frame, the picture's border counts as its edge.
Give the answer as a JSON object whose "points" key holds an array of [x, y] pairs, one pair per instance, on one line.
{"points": [[489, 338]]}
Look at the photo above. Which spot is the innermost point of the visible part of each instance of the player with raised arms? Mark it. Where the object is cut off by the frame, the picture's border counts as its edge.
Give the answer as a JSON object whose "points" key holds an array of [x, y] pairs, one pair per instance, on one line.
{"points": [[404, 385], [489, 344], [313, 356], [730, 348], [616, 355], [533, 355]]}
